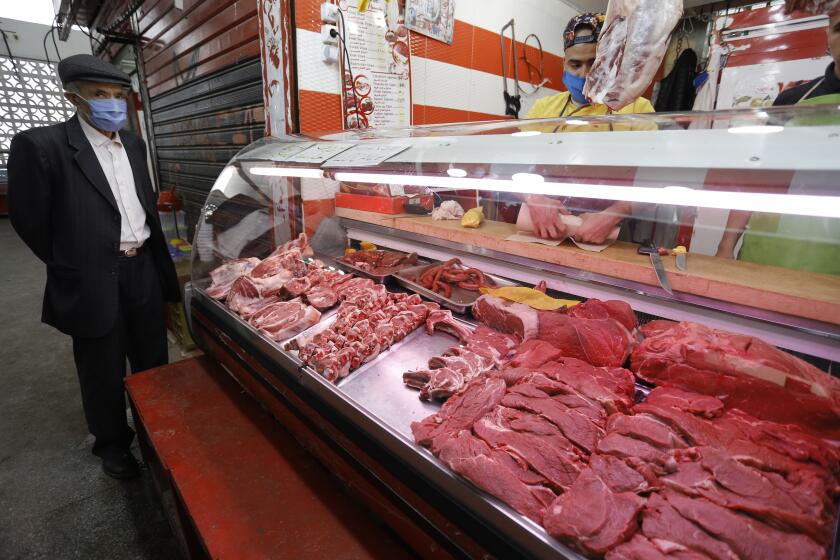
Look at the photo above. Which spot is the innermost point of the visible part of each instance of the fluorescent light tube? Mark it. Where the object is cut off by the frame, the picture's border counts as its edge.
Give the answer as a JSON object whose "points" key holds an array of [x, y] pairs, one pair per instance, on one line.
{"points": [[796, 204]]}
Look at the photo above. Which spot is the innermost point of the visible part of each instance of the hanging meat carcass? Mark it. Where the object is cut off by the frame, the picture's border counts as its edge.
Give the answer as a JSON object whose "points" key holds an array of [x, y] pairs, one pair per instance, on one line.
{"points": [[828, 7], [630, 49]]}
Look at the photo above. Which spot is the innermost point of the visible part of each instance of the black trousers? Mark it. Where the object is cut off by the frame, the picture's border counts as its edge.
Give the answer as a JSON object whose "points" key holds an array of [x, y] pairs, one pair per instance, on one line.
{"points": [[138, 334]]}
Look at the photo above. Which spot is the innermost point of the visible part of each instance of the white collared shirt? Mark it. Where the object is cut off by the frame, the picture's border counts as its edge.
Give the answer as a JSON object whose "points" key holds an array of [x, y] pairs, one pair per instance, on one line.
{"points": [[113, 159]]}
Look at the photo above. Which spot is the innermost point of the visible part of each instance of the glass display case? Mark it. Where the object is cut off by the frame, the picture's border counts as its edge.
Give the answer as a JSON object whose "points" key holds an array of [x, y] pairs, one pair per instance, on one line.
{"points": [[382, 283]]}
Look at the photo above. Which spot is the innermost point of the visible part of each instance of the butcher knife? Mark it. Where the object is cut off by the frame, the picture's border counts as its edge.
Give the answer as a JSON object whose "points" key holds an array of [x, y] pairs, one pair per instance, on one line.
{"points": [[648, 248]]}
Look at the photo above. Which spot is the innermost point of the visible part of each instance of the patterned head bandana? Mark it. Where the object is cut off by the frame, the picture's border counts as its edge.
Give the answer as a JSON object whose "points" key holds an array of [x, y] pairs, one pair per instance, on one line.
{"points": [[593, 21]]}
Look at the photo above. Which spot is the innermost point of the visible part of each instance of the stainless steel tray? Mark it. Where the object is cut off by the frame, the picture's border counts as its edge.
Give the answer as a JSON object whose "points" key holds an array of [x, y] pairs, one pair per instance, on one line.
{"points": [[379, 278], [378, 385], [459, 301]]}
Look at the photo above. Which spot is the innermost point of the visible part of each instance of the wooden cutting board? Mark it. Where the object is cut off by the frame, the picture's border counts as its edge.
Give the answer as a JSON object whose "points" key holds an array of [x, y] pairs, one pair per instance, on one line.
{"points": [[793, 292]]}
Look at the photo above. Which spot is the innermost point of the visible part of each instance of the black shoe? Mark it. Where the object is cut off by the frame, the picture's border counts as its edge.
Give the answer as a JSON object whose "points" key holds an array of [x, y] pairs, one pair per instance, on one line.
{"points": [[119, 463]]}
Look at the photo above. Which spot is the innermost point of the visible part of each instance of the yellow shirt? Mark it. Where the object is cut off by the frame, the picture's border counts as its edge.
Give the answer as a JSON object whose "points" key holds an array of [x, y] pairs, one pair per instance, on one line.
{"points": [[553, 105]]}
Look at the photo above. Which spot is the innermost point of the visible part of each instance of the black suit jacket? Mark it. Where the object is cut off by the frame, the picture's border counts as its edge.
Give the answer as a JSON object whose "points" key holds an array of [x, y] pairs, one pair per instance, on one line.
{"points": [[61, 205]]}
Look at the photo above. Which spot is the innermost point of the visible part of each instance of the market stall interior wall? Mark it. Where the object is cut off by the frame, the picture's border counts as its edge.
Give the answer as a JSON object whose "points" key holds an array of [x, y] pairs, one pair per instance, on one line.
{"points": [[449, 83]]}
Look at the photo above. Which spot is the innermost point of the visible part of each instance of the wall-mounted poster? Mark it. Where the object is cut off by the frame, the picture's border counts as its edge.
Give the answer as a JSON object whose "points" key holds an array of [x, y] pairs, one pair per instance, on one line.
{"points": [[433, 18], [377, 65]]}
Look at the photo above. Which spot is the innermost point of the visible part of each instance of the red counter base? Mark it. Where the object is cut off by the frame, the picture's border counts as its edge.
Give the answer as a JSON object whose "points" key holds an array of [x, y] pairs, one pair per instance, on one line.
{"points": [[234, 483]]}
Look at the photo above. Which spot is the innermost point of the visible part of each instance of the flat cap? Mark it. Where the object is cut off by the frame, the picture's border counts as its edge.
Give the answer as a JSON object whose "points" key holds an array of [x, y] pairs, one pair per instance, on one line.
{"points": [[87, 67]]}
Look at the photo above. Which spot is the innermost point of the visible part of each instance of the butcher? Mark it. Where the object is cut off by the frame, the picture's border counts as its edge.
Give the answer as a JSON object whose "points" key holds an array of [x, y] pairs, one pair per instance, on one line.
{"points": [[797, 242], [600, 217], [81, 198], [580, 40]]}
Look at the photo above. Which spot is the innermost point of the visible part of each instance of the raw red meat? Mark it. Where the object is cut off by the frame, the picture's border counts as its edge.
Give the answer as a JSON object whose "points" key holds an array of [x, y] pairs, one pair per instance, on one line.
{"points": [[435, 384], [646, 428], [507, 316], [698, 431], [630, 49], [297, 286], [284, 319], [762, 399], [695, 403], [535, 441], [610, 309], [623, 476], [625, 447], [747, 537], [245, 298], [656, 327], [574, 425], [642, 548], [662, 523], [224, 276], [591, 517], [496, 473], [563, 393], [442, 320], [485, 338], [767, 496], [290, 261], [532, 354], [600, 342], [380, 262], [708, 349], [274, 285], [612, 388], [480, 351], [321, 297], [459, 413], [368, 321], [301, 243], [787, 439]]}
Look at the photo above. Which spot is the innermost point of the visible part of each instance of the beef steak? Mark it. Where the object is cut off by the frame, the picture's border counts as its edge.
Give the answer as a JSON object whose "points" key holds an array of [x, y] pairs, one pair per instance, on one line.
{"points": [[591, 517]]}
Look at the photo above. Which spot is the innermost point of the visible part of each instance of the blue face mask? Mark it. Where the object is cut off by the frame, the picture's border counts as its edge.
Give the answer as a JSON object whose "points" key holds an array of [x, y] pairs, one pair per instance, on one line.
{"points": [[575, 86], [107, 114]]}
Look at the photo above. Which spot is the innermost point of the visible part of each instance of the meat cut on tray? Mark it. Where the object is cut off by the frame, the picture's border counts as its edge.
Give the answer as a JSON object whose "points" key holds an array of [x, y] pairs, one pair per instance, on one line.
{"points": [[380, 262], [680, 475], [259, 290], [284, 319], [369, 320], [754, 376], [223, 277], [596, 332], [477, 352]]}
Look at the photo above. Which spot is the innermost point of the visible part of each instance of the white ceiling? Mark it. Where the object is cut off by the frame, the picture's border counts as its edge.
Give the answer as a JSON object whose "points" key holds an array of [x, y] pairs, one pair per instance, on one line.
{"points": [[601, 5]]}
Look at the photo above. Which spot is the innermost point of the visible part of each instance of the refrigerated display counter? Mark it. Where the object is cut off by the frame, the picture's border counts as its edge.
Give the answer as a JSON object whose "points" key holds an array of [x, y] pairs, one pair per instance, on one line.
{"points": [[479, 375]]}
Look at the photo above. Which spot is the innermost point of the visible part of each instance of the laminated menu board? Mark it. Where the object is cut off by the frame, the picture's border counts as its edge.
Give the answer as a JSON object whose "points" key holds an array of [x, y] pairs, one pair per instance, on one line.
{"points": [[377, 78]]}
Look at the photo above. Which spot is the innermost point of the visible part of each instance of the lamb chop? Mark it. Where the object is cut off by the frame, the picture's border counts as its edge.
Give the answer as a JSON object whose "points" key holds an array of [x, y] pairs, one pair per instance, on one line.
{"points": [[630, 49]]}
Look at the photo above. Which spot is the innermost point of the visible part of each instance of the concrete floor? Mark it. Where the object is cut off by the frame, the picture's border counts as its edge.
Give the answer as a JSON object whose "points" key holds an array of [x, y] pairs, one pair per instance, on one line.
{"points": [[55, 501]]}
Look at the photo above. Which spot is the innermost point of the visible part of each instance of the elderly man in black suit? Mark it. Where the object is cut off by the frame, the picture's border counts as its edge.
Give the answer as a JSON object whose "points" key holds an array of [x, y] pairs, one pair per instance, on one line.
{"points": [[81, 198]]}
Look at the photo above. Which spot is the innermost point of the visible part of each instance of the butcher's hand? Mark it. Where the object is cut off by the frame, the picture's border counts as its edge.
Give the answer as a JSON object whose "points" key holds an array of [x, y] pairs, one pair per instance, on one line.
{"points": [[545, 215], [596, 227]]}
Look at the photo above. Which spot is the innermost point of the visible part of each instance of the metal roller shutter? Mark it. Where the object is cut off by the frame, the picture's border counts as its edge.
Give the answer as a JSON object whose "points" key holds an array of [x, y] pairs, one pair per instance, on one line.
{"points": [[199, 125]]}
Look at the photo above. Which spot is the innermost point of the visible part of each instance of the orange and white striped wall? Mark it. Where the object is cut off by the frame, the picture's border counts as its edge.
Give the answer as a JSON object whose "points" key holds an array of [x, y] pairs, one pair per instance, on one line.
{"points": [[450, 83]]}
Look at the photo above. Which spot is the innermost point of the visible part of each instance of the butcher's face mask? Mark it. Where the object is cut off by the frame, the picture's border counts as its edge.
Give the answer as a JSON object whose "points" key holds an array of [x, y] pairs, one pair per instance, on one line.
{"points": [[579, 61]]}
